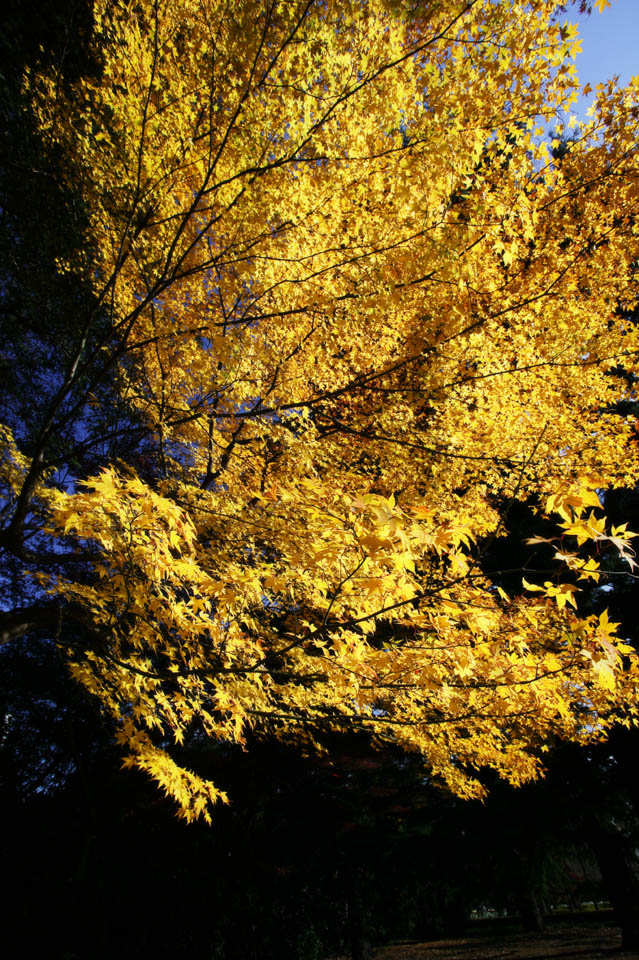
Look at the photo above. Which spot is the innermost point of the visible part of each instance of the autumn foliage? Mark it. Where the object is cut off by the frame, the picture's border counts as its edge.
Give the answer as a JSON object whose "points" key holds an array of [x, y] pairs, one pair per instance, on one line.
{"points": [[356, 298]]}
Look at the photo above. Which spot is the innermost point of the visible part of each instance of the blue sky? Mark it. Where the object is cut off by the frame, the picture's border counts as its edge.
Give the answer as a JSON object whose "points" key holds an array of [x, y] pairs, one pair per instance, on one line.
{"points": [[610, 45]]}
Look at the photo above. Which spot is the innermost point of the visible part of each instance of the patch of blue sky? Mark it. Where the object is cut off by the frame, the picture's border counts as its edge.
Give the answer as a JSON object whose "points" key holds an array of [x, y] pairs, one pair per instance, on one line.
{"points": [[181, 452], [610, 48]]}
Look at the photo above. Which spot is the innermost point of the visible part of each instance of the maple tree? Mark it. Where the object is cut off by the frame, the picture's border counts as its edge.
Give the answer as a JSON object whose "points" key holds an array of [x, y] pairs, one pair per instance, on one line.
{"points": [[347, 304]]}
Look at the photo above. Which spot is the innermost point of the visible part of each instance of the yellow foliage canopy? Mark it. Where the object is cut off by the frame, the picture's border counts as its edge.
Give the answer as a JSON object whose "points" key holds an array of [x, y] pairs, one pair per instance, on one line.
{"points": [[357, 302]]}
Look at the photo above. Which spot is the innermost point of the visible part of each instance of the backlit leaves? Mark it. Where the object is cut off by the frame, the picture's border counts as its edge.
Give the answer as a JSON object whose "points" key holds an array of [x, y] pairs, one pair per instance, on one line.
{"points": [[358, 306]]}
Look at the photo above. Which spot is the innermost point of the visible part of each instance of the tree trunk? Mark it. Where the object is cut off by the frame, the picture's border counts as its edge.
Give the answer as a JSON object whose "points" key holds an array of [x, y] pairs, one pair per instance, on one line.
{"points": [[358, 914], [527, 873], [617, 862], [531, 915]]}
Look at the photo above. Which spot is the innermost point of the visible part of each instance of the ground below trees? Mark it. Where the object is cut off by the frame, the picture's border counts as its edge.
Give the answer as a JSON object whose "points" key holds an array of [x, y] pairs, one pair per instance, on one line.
{"points": [[577, 938]]}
